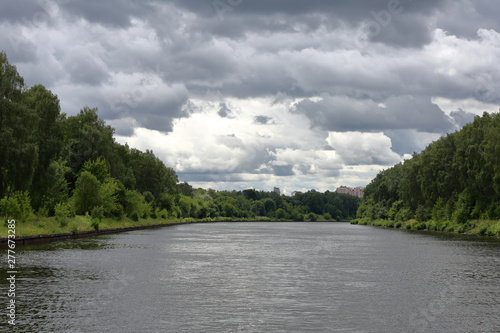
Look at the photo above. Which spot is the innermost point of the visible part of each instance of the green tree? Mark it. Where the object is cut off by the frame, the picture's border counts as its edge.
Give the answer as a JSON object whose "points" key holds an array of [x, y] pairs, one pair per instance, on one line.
{"points": [[281, 214], [98, 168], [18, 123], [47, 134], [87, 193], [55, 187]]}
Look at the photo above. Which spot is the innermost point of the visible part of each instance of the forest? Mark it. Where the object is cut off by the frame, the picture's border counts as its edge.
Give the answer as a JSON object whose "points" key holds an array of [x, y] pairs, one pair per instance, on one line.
{"points": [[54, 165], [453, 185]]}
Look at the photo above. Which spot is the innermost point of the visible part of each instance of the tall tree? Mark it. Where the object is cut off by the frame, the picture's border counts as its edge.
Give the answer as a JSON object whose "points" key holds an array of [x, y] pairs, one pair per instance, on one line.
{"points": [[18, 146]]}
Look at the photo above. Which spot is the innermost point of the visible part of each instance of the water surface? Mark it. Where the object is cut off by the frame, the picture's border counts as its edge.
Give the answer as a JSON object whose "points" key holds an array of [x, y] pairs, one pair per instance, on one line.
{"points": [[260, 277]]}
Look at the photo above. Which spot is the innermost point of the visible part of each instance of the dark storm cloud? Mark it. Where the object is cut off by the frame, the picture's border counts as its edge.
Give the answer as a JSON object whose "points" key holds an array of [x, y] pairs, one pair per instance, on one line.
{"points": [[224, 111], [407, 141], [402, 112], [283, 170], [114, 13], [462, 117], [85, 69], [264, 120], [152, 109], [465, 19]]}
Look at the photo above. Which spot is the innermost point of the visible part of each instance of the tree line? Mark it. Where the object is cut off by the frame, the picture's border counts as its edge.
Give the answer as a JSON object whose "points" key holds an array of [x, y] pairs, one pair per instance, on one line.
{"points": [[52, 164], [455, 179]]}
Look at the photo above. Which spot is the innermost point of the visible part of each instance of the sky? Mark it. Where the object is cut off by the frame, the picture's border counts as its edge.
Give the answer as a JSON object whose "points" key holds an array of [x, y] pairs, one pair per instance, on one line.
{"points": [[237, 94]]}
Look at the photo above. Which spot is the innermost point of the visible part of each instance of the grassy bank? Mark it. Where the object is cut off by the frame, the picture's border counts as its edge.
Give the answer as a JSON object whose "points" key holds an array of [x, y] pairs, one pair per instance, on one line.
{"points": [[479, 227], [50, 225]]}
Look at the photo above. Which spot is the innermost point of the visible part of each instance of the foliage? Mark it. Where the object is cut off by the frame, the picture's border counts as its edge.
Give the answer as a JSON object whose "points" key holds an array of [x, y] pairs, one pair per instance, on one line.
{"points": [[16, 206], [62, 212], [455, 179], [87, 193], [98, 168], [97, 216]]}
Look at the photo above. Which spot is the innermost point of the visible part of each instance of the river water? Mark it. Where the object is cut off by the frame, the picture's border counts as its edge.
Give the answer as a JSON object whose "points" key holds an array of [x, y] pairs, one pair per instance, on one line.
{"points": [[259, 277]]}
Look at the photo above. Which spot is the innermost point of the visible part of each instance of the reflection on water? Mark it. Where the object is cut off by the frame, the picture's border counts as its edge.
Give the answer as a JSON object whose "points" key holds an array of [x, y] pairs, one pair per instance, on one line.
{"points": [[260, 277]]}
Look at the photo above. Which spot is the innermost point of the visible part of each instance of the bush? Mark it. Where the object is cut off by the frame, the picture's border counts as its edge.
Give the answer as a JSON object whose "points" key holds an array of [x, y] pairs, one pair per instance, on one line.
{"points": [[18, 206], [481, 230], [42, 212], [280, 214], [62, 212], [97, 216], [420, 226], [403, 215], [135, 216], [163, 214], [421, 214], [312, 217], [87, 192]]}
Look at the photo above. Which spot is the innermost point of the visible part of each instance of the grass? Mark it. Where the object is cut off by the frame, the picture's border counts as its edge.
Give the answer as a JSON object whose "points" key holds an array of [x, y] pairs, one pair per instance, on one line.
{"points": [[50, 225], [479, 227]]}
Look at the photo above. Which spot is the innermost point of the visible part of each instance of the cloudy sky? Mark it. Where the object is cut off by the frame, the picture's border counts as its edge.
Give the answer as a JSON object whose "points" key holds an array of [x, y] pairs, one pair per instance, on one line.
{"points": [[235, 94]]}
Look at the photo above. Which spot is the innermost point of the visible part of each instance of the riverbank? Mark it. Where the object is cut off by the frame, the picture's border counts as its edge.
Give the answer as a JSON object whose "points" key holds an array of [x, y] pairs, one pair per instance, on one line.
{"points": [[48, 229], [475, 227]]}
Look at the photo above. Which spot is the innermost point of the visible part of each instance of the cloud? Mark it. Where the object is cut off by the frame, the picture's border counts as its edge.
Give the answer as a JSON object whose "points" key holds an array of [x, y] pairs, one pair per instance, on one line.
{"points": [[357, 148], [224, 111], [339, 113], [264, 120], [263, 93]]}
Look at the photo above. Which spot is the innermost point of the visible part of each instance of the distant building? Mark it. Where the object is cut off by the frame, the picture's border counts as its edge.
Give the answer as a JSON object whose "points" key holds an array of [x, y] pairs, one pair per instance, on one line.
{"points": [[357, 192], [277, 190], [294, 193]]}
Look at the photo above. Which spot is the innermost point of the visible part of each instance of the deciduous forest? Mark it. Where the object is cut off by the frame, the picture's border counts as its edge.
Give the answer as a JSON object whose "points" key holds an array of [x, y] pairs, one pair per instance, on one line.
{"points": [[453, 185]]}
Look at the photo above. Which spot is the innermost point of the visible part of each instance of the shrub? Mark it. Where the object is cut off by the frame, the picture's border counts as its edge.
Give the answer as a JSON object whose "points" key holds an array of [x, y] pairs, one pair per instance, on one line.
{"points": [[482, 228], [97, 216], [420, 226], [280, 213], [42, 212], [62, 212], [404, 214], [312, 217], [421, 214], [135, 216], [163, 214], [87, 192], [17, 206]]}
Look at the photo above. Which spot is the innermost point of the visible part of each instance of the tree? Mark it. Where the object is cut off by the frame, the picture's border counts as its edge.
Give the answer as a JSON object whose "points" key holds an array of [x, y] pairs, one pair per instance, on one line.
{"points": [[87, 193], [56, 187], [18, 146], [47, 134], [280, 213], [98, 168], [86, 138]]}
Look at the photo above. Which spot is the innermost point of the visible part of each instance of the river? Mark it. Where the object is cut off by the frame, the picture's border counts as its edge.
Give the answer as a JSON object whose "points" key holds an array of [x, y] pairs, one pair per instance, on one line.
{"points": [[259, 277]]}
